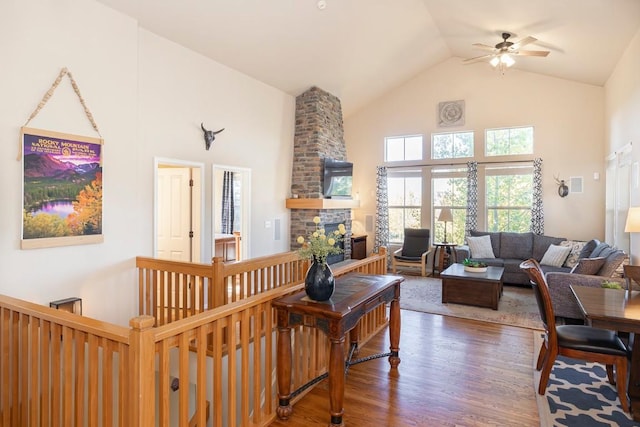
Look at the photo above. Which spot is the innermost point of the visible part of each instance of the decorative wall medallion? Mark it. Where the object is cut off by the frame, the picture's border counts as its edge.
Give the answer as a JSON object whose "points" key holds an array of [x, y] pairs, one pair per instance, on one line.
{"points": [[451, 113]]}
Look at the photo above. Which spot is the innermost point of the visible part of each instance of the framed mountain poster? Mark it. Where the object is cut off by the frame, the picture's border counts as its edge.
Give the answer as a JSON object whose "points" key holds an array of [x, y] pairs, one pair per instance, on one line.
{"points": [[62, 189]]}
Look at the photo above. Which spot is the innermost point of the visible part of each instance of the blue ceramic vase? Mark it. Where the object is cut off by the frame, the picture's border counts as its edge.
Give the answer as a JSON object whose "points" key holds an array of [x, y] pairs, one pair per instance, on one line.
{"points": [[319, 283]]}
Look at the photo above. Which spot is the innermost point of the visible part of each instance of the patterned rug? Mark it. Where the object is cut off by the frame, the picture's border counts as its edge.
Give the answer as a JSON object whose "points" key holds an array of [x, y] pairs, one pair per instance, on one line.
{"points": [[578, 395], [517, 306]]}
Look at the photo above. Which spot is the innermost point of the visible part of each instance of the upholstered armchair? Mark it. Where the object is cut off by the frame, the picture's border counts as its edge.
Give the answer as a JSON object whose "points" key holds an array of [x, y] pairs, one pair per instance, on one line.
{"points": [[414, 251]]}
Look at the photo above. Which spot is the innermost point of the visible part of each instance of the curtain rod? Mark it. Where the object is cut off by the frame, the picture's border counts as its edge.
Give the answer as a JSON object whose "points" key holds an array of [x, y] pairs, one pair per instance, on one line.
{"points": [[458, 164]]}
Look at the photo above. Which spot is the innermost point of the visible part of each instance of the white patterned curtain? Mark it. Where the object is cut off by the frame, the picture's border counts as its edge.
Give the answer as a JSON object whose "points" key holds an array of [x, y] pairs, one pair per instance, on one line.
{"points": [[472, 198], [228, 208], [537, 210], [382, 210]]}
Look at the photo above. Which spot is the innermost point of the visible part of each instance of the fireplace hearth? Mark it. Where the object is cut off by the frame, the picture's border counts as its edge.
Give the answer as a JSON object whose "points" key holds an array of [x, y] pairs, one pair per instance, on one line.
{"points": [[329, 229]]}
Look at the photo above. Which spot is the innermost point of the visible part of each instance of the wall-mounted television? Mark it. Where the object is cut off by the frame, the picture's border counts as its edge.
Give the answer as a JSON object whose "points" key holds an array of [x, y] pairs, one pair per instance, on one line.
{"points": [[338, 179]]}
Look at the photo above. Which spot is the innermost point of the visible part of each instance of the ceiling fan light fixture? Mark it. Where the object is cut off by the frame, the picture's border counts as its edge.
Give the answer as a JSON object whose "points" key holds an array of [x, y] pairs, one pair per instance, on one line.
{"points": [[494, 61], [507, 60]]}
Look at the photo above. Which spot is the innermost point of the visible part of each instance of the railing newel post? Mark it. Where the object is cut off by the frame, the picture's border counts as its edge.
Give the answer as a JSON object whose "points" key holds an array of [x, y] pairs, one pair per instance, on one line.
{"points": [[142, 367]]}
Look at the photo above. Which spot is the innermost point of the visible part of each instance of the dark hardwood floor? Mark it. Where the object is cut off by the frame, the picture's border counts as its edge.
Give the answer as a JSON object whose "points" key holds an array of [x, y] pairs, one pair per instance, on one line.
{"points": [[454, 372]]}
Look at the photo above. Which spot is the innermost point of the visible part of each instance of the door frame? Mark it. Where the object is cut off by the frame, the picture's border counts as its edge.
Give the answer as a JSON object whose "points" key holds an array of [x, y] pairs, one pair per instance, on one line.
{"points": [[245, 231], [195, 166]]}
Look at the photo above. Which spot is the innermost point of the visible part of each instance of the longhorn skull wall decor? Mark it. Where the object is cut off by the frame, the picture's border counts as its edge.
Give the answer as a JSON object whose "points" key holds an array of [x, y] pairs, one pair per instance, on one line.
{"points": [[563, 190], [209, 136]]}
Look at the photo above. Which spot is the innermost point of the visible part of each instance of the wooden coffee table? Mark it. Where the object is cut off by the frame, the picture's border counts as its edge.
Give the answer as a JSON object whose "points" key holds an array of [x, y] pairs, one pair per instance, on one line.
{"points": [[479, 289]]}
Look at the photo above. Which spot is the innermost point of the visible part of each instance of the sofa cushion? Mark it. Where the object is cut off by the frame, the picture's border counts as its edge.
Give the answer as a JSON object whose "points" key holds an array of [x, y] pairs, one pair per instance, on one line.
{"points": [[516, 245], [588, 248], [574, 255], [512, 265], [612, 262], [480, 247], [588, 265], [555, 255], [495, 239], [542, 243], [550, 268]]}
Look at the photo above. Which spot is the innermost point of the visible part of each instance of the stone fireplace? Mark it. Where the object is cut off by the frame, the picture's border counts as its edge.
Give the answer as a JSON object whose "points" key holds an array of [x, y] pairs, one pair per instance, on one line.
{"points": [[319, 134]]}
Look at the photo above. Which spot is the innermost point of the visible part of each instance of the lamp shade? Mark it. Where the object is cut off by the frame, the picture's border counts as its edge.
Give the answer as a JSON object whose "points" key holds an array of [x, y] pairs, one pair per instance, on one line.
{"points": [[633, 220], [445, 215]]}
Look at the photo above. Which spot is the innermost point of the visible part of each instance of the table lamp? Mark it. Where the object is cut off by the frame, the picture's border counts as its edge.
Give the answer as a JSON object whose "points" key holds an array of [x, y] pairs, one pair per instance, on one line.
{"points": [[446, 216], [633, 222]]}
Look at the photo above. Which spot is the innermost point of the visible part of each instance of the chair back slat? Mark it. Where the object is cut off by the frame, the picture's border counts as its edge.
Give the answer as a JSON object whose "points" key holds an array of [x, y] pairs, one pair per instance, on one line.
{"points": [[543, 297]]}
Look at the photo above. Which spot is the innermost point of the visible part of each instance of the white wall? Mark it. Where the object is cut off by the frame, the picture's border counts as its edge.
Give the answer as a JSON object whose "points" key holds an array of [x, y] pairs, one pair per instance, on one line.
{"points": [[568, 118], [623, 117], [148, 97]]}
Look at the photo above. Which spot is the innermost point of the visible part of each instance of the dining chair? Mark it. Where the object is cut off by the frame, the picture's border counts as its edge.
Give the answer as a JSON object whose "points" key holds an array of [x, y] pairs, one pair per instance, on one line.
{"points": [[575, 341], [414, 250], [632, 276]]}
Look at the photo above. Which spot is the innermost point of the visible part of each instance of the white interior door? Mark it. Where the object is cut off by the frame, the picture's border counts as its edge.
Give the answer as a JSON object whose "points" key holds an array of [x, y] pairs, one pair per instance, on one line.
{"points": [[174, 214], [172, 209]]}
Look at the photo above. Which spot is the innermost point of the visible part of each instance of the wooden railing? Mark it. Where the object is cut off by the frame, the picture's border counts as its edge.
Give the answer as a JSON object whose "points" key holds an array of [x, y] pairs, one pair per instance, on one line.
{"points": [[171, 290], [199, 365], [60, 369]]}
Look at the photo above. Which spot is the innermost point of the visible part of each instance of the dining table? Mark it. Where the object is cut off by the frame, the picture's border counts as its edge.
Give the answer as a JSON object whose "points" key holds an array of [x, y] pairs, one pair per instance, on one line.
{"points": [[616, 310]]}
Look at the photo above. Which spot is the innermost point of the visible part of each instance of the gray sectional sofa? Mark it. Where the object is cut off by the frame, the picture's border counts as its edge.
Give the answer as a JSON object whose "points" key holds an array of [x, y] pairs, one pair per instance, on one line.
{"points": [[510, 249]]}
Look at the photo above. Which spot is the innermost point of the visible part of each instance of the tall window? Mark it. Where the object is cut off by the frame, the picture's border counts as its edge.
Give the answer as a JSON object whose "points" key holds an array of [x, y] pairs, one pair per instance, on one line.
{"points": [[400, 148], [508, 198], [509, 141], [451, 145], [449, 191], [405, 200]]}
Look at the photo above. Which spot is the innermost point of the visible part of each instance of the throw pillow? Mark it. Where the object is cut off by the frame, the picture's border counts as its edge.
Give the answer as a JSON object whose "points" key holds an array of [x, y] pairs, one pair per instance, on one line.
{"points": [[588, 265], [555, 255], [588, 248], [574, 255], [480, 247]]}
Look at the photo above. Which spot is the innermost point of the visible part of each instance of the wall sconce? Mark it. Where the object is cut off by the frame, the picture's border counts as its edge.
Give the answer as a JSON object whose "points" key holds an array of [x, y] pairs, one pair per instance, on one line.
{"points": [[563, 190], [71, 305]]}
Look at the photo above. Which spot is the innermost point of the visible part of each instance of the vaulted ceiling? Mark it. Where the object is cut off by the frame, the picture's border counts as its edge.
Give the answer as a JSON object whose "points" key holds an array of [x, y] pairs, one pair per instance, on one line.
{"points": [[360, 49]]}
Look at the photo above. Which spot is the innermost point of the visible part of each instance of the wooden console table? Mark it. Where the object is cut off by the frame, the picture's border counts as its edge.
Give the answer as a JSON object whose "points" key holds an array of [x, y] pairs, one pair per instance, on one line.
{"points": [[355, 296]]}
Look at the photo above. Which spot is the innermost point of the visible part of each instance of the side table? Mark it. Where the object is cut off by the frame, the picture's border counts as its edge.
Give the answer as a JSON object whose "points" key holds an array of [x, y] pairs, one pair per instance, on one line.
{"points": [[359, 247], [444, 251], [355, 296]]}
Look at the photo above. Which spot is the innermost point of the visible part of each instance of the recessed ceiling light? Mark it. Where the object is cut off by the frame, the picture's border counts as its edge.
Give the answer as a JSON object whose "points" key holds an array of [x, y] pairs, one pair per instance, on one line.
{"points": [[322, 4]]}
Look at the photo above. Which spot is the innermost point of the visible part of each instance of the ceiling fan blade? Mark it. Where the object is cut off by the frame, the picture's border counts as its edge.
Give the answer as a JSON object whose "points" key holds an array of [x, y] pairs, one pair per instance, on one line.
{"points": [[484, 47], [477, 59], [532, 53], [525, 41]]}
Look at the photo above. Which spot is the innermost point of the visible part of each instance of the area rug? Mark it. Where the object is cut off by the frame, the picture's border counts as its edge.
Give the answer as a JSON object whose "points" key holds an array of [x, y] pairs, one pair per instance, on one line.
{"points": [[517, 306], [578, 394]]}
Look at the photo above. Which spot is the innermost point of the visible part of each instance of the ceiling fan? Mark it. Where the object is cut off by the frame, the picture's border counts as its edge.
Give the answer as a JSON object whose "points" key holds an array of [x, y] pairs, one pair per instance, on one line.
{"points": [[501, 54]]}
